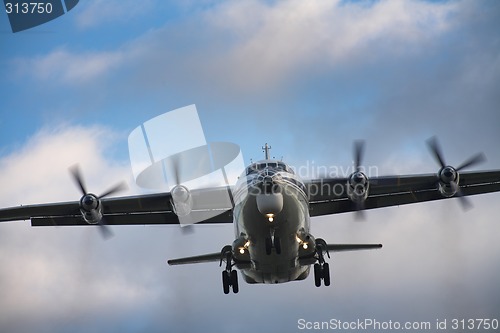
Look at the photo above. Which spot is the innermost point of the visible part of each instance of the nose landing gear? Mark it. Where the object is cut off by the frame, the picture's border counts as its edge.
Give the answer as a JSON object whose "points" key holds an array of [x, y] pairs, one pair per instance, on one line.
{"points": [[321, 269], [273, 242]]}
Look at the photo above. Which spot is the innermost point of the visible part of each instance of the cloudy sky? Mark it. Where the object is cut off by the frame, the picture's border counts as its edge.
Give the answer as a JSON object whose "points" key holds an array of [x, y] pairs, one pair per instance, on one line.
{"points": [[309, 77]]}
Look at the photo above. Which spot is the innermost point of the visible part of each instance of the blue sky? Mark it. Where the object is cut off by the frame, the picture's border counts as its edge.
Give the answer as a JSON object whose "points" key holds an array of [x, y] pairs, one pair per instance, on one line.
{"points": [[307, 77]]}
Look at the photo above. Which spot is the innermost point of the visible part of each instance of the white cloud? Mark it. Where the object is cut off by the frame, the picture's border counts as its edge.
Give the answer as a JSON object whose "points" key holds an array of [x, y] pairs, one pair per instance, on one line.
{"points": [[59, 264], [66, 67], [278, 40], [40, 170], [226, 46]]}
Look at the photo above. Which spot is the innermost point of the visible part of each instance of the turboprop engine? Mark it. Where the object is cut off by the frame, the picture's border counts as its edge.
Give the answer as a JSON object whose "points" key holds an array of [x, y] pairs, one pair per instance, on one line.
{"points": [[448, 181], [449, 177], [91, 208], [182, 201], [358, 183], [90, 204]]}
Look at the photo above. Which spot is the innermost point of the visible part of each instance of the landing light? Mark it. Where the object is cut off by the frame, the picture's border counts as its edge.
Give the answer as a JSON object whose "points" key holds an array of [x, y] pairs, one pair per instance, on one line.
{"points": [[242, 250], [270, 217], [304, 245], [247, 244]]}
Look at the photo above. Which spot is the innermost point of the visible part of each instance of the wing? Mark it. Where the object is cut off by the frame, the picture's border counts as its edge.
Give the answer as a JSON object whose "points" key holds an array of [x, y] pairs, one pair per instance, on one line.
{"points": [[140, 209], [329, 195], [211, 257], [218, 256], [352, 247]]}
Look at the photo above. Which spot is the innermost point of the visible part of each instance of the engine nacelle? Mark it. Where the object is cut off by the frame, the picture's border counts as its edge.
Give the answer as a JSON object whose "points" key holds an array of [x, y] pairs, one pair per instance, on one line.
{"points": [[448, 181], [357, 186], [182, 201], [446, 190], [91, 208]]}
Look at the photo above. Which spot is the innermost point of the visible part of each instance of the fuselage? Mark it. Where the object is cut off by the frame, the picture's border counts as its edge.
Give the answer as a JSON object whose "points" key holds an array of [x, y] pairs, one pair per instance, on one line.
{"points": [[271, 218]]}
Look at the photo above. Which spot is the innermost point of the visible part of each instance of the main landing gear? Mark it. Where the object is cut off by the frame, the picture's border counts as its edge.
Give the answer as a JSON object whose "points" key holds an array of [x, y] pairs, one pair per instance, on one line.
{"points": [[229, 275], [321, 269]]}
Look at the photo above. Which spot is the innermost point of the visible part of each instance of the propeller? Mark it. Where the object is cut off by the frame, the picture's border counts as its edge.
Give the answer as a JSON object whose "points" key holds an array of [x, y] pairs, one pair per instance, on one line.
{"points": [[187, 166], [359, 150], [90, 204], [450, 175], [179, 192], [358, 177]]}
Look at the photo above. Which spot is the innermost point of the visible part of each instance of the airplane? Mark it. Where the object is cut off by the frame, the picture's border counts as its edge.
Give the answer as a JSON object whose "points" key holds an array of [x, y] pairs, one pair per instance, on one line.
{"points": [[271, 209]]}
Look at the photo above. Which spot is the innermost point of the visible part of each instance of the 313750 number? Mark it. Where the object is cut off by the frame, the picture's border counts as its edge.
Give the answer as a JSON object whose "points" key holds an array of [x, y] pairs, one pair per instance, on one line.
{"points": [[28, 8]]}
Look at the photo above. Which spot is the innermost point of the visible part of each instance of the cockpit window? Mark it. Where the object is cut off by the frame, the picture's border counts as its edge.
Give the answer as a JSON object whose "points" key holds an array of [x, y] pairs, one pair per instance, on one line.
{"points": [[283, 167], [277, 166], [255, 168], [251, 169]]}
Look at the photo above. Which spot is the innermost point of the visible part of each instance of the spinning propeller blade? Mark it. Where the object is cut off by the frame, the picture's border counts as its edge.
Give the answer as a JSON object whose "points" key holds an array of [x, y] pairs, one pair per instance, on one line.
{"points": [[115, 189], [175, 164], [78, 178], [436, 151], [358, 152], [473, 160], [359, 149], [476, 159]]}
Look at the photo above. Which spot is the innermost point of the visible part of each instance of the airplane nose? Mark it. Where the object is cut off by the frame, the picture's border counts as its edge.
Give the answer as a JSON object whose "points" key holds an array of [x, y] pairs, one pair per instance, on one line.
{"points": [[270, 204], [271, 187]]}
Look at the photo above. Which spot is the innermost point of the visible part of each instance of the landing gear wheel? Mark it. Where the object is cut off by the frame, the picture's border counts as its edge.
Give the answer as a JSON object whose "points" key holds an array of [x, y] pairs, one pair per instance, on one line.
{"points": [[321, 269], [326, 274], [225, 282], [317, 275], [229, 275], [277, 244], [269, 245], [234, 281]]}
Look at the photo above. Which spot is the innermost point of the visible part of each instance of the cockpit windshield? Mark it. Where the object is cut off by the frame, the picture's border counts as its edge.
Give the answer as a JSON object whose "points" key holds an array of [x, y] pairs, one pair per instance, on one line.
{"points": [[275, 166]]}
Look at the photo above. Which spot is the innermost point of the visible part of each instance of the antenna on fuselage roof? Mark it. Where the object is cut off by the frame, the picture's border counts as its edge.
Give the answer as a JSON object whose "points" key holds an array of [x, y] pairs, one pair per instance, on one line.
{"points": [[266, 149]]}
